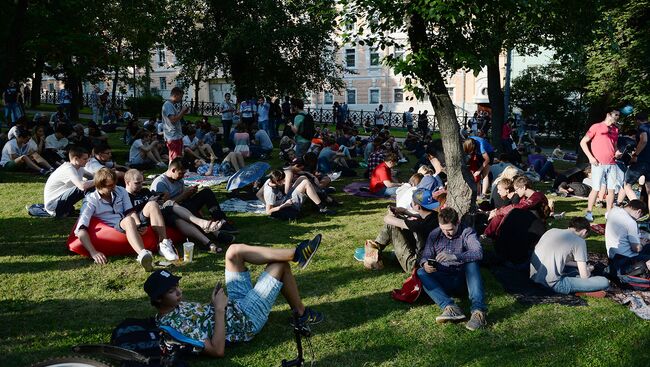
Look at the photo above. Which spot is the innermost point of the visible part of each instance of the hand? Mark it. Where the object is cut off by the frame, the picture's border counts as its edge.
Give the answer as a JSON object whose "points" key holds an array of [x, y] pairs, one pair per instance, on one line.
{"points": [[219, 300], [593, 161], [287, 203], [493, 214], [445, 257], [429, 269], [99, 258], [477, 173], [633, 160], [618, 154]]}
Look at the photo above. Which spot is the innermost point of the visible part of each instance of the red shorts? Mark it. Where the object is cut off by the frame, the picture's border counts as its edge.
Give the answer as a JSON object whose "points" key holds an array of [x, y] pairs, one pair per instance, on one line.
{"points": [[175, 148]]}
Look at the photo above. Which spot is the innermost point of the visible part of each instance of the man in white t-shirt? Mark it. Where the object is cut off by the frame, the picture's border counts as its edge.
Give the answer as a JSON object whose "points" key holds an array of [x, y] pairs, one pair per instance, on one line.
{"points": [[560, 255], [144, 150], [622, 240], [171, 117], [21, 152], [103, 157], [65, 186], [379, 116], [57, 143]]}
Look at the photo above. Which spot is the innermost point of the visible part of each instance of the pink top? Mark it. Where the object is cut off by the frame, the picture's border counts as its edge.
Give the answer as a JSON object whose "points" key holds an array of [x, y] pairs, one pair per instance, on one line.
{"points": [[506, 131], [603, 142]]}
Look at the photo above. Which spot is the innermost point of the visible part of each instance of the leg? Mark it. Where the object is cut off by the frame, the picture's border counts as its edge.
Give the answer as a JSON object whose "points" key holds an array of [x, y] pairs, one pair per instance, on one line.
{"points": [[40, 161], [65, 203], [305, 187], [405, 250], [568, 285], [239, 254], [152, 211], [188, 229], [187, 216], [282, 272], [132, 234], [25, 160], [610, 199], [154, 152], [475, 286], [434, 284]]}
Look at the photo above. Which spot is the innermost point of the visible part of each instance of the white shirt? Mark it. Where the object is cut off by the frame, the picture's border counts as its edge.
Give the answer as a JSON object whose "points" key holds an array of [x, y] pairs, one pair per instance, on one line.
{"points": [[95, 165], [187, 143], [62, 179], [51, 142], [11, 147], [110, 213], [379, 117], [621, 231]]}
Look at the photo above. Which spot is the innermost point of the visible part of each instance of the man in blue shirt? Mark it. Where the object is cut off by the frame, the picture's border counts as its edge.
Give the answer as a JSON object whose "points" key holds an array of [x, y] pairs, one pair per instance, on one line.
{"points": [[450, 261]]}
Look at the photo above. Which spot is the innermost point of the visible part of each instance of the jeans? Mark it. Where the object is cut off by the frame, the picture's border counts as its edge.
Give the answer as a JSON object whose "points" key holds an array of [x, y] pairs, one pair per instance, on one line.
{"points": [[12, 113], [227, 125], [438, 283], [65, 203], [204, 198], [572, 284], [264, 125], [388, 191]]}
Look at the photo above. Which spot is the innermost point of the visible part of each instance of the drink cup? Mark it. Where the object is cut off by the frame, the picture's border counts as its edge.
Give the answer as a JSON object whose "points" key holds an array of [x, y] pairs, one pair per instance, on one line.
{"points": [[188, 251]]}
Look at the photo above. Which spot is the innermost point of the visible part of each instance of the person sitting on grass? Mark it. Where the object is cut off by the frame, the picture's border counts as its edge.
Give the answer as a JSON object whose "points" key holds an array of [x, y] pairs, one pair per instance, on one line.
{"points": [[171, 182], [56, 144], [65, 186], [622, 240], [21, 153], [381, 178], [287, 205], [175, 215], [449, 262], [195, 148], [144, 151], [231, 163], [561, 255], [407, 232], [102, 158], [261, 146], [111, 205], [242, 314]]}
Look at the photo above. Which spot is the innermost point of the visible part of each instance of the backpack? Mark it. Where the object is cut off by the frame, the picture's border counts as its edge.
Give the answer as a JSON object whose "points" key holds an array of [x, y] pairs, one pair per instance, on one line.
{"points": [[636, 276], [307, 129], [138, 335]]}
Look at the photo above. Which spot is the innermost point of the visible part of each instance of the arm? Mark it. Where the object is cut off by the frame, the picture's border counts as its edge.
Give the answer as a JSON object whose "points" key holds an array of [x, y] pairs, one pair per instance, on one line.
{"points": [[583, 269], [643, 140], [429, 251], [473, 250], [187, 192], [216, 346], [388, 183], [82, 185], [585, 148], [525, 203], [392, 220], [175, 118]]}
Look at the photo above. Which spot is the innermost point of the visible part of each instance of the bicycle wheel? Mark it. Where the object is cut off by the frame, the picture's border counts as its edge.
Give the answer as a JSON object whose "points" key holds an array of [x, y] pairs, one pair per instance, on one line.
{"points": [[71, 361]]}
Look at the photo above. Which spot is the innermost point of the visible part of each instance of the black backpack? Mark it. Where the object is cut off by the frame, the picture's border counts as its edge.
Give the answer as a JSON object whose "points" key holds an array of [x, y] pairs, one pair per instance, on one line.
{"points": [[138, 335], [307, 129]]}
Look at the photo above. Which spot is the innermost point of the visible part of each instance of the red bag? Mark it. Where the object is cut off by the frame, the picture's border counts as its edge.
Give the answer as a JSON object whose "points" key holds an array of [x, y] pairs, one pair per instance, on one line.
{"points": [[411, 289]]}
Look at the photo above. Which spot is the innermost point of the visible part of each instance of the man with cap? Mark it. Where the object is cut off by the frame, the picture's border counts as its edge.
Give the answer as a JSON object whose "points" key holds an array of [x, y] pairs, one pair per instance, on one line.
{"points": [[407, 231], [241, 315]]}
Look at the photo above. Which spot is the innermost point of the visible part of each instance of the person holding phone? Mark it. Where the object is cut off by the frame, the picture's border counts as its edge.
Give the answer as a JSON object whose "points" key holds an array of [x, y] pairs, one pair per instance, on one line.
{"points": [[242, 314], [172, 114], [449, 261]]}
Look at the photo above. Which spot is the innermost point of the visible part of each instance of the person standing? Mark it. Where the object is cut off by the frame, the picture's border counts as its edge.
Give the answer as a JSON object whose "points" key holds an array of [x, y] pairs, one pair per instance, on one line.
{"points": [[408, 118], [10, 99], [172, 130], [302, 143], [602, 154], [246, 113], [27, 95], [227, 111], [640, 162], [263, 107], [379, 116], [423, 123], [93, 102]]}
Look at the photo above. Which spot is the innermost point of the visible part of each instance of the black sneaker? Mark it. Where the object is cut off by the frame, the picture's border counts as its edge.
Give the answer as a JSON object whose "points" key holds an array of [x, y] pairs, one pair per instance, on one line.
{"points": [[310, 317], [330, 190], [225, 238], [228, 228], [306, 250]]}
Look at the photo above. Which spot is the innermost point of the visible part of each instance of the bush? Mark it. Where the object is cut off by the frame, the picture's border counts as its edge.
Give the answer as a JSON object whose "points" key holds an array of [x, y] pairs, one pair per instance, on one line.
{"points": [[145, 106]]}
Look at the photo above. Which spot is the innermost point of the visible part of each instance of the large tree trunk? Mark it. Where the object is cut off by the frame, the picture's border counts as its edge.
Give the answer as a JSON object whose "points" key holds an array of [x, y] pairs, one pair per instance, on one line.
{"points": [[37, 80], [460, 183], [116, 73], [495, 93], [14, 43]]}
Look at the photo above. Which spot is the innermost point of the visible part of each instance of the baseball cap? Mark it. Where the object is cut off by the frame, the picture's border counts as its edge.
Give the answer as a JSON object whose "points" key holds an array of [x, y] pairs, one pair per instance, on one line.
{"points": [[423, 198], [159, 282]]}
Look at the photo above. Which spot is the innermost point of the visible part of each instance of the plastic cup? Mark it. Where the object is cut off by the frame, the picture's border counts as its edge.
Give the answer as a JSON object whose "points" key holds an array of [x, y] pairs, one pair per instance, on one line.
{"points": [[188, 252]]}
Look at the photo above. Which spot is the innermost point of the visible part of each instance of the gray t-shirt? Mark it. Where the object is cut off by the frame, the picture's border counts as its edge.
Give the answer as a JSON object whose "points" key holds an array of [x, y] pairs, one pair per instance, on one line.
{"points": [[163, 183], [554, 249], [621, 231], [225, 106], [171, 130], [273, 195]]}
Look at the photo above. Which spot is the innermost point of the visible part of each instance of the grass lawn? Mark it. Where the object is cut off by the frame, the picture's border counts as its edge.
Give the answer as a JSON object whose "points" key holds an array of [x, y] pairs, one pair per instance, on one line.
{"points": [[53, 300]]}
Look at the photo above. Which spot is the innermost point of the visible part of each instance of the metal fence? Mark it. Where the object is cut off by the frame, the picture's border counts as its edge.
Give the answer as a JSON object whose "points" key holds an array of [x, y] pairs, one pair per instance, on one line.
{"points": [[325, 116]]}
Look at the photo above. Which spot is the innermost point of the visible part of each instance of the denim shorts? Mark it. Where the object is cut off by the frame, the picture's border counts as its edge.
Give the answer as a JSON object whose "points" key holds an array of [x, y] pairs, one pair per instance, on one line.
{"points": [[256, 302], [605, 174]]}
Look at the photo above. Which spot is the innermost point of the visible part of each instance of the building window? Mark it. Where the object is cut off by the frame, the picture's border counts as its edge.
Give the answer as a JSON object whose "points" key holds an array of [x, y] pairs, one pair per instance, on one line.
{"points": [[328, 98], [163, 83], [161, 56], [398, 95], [373, 96], [399, 53], [350, 57], [450, 91], [374, 57], [50, 87], [352, 96]]}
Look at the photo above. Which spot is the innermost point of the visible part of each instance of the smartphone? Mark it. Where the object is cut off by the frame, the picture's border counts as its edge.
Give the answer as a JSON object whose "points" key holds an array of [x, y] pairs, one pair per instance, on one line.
{"points": [[433, 263], [217, 287]]}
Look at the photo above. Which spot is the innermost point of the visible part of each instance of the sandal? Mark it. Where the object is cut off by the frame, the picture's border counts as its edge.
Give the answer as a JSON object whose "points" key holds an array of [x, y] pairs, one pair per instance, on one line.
{"points": [[214, 249], [213, 226]]}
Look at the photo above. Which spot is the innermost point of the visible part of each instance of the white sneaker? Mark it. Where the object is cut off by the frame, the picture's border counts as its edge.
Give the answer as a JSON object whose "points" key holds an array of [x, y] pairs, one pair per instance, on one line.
{"points": [[145, 258], [166, 249], [589, 217]]}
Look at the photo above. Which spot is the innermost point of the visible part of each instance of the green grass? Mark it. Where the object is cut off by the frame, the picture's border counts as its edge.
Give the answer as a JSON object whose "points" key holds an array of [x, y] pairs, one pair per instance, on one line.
{"points": [[52, 300]]}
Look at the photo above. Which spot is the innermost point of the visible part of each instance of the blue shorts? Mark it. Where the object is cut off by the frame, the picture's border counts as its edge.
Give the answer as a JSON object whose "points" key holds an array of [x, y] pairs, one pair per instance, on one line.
{"points": [[255, 302]]}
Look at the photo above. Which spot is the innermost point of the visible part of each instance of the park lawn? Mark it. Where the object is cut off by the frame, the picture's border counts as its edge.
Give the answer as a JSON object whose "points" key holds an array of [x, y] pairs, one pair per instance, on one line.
{"points": [[53, 300]]}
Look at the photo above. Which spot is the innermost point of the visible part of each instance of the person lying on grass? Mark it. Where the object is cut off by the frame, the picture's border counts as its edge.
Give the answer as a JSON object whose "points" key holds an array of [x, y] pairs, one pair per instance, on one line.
{"points": [[175, 215], [241, 315], [111, 205]]}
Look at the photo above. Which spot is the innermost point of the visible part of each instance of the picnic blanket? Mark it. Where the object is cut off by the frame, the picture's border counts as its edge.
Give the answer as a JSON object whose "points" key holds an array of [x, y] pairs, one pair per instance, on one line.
{"points": [[194, 179], [354, 188], [37, 210], [243, 206]]}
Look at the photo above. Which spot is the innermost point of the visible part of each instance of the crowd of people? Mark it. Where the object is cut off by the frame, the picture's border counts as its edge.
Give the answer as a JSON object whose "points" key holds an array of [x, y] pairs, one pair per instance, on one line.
{"points": [[430, 240]]}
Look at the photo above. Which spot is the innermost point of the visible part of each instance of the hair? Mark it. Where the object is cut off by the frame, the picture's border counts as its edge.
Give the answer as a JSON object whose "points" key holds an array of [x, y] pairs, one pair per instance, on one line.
{"points": [[425, 170], [276, 176], [191, 130], [22, 133], [390, 157], [241, 126], [448, 215], [637, 204], [579, 223], [469, 146], [177, 163], [641, 116], [415, 179], [103, 176], [298, 103], [77, 152], [132, 174], [538, 149], [522, 181], [506, 183], [176, 91], [101, 148]]}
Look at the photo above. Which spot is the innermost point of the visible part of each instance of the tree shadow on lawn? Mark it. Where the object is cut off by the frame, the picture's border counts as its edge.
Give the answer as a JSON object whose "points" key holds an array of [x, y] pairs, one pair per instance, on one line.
{"points": [[22, 177]]}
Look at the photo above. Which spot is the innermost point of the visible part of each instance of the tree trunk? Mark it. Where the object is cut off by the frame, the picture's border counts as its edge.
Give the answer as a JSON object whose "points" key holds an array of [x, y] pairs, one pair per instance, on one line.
{"points": [[116, 71], [495, 93], [14, 43], [460, 184], [197, 84], [37, 80]]}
